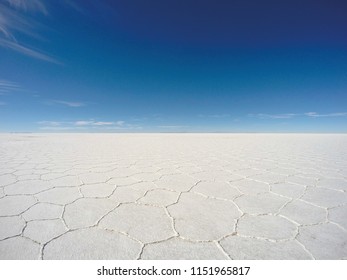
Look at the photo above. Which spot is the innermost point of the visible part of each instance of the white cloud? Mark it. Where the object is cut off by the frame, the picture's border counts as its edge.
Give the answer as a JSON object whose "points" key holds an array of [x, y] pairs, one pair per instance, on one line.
{"points": [[316, 115], [219, 116], [28, 5], [56, 128], [103, 123], [51, 123], [172, 126], [83, 123], [128, 127], [7, 87], [98, 123], [27, 51], [292, 115], [120, 123], [275, 116], [72, 4], [69, 103], [13, 23], [214, 116]]}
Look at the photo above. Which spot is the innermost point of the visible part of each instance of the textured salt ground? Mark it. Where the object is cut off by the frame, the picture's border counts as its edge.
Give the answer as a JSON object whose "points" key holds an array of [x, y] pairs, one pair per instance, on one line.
{"points": [[173, 196]]}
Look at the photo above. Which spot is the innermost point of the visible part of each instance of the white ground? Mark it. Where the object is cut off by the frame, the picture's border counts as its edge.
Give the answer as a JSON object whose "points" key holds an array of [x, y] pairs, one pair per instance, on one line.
{"points": [[173, 196]]}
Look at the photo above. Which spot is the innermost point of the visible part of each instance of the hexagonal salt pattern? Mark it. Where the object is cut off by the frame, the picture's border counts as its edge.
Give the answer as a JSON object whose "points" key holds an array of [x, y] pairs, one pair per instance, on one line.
{"points": [[86, 212], [243, 248], [127, 194], [263, 203], [92, 243], [217, 189], [173, 196], [179, 249], [94, 178], [333, 183], [306, 181], [7, 179], [44, 231], [97, 190], [15, 205], [19, 248], [266, 226], [43, 211], [176, 182], [325, 197], [247, 186], [339, 215], [269, 177], [216, 175], [200, 218], [324, 241], [313, 214], [288, 189], [61, 196], [160, 197], [11, 226], [66, 181], [27, 187], [133, 218]]}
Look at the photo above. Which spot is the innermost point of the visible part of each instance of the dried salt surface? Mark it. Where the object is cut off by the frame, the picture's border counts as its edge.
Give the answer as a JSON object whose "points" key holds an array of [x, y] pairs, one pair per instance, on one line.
{"points": [[173, 196]]}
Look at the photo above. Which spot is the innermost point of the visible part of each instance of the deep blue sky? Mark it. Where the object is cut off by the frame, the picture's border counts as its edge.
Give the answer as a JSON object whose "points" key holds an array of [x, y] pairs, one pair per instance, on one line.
{"points": [[173, 65]]}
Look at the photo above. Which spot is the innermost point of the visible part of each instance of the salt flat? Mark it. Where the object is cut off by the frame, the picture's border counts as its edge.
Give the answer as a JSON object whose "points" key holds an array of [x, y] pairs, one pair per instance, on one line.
{"points": [[173, 196]]}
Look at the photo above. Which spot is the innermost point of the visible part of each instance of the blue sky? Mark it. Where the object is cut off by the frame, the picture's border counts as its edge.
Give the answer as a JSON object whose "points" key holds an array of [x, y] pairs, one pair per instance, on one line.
{"points": [[173, 66]]}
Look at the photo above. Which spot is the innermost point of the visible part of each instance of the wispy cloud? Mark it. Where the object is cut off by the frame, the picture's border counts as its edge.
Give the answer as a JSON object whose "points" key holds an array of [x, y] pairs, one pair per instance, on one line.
{"points": [[103, 123], [27, 51], [316, 115], [72, 4], [28, 5], [7, 87], [14, 22], [274, 116], [125, 128], [50, 123], [83, 123], [292, 115], [68, 103], [172, 126], [86, 125], [97, 123], [57, 128], [217, 116], [2, 103]]}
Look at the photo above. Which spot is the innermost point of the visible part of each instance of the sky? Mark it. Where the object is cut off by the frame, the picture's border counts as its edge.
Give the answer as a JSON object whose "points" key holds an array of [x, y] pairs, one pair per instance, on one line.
{"points": [[173, 66]]}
